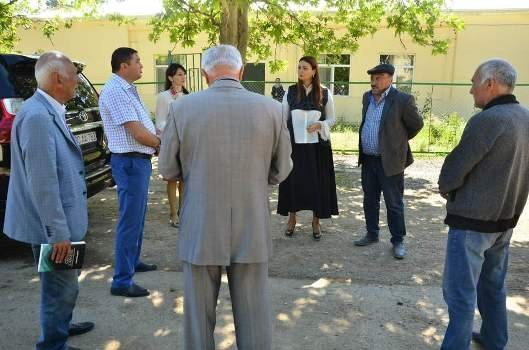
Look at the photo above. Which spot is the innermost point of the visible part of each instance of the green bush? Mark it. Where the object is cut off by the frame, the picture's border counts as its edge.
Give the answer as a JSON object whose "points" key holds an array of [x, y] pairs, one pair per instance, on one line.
{"points": [[343, 126]]}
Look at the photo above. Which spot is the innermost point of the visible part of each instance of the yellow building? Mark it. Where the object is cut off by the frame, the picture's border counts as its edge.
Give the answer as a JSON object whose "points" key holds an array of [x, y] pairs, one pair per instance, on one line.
{"points": [[502, 33]]}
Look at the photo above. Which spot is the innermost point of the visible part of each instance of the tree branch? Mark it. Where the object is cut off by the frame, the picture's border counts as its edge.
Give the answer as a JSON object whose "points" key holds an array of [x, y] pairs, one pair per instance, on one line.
{"points": [[186, 6], [289, 13]]}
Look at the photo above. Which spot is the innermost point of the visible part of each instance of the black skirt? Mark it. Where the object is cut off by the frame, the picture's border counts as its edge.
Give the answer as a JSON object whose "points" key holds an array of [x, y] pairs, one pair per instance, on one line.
{"points": [[311, 185]]}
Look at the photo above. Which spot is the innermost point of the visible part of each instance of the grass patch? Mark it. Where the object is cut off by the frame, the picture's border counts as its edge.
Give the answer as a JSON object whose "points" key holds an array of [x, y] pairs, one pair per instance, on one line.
{"points": [[438, 136]]}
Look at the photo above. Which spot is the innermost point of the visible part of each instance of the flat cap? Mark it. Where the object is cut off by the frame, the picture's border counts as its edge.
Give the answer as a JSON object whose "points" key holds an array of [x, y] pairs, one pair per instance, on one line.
{"points": [[382, 68]]}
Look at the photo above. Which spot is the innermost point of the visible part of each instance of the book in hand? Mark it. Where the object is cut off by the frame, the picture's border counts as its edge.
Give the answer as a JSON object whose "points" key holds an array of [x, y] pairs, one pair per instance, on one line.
{"points": [[74, 259]]}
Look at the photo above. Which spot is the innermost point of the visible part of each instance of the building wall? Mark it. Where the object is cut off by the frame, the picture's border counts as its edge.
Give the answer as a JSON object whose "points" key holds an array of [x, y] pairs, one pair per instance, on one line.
{"points": [[487, 34]]}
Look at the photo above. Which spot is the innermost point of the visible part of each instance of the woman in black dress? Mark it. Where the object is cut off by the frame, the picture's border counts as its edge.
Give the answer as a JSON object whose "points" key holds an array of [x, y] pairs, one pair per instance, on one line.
{"points": [[311, 185]]}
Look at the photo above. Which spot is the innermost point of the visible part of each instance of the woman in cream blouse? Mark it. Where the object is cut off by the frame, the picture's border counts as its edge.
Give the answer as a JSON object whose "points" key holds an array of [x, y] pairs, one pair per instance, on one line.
{"points": [[175, 78], [311, 185]]}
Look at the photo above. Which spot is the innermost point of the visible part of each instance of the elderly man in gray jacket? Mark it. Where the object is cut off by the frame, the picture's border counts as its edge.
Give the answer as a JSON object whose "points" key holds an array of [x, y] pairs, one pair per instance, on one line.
{"points": [[486, 183], [228, 145], [46, 200]]}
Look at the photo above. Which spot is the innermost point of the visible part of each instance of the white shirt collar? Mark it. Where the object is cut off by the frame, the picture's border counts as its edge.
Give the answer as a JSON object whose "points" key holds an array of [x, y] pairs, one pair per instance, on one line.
{"points": [[59, 108]]}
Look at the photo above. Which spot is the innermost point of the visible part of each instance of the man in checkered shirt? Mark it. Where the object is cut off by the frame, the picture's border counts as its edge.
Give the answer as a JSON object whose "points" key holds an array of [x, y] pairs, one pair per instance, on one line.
{"points": [[132, 140], [389, 120]]}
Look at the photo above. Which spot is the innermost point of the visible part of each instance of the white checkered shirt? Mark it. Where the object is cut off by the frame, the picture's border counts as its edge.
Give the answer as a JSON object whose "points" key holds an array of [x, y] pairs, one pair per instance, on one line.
{"points": [[119, 103]]}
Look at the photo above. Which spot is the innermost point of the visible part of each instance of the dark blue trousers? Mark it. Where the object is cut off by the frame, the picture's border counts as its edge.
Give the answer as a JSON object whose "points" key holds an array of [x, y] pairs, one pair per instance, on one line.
{"points": [[132, 176], [374, 181], [59, 290]]}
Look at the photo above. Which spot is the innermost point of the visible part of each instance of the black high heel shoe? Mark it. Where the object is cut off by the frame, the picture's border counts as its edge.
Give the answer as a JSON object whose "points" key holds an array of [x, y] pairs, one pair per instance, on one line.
{"points": [[316, 235], [290, 231]]}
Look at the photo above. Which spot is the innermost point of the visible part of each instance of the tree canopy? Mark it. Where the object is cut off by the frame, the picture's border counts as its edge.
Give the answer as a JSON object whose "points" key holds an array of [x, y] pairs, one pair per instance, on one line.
{"points": [[258, 27], [16, 14]]}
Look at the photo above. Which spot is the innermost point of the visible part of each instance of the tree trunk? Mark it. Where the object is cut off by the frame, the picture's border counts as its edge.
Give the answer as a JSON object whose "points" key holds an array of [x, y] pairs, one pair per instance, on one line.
{"points": [[234, 24], [242, 42]]}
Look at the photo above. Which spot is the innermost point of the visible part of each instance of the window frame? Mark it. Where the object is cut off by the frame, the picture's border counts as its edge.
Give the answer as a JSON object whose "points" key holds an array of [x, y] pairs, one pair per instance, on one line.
{"points": [[398, 68], [332, 67]]}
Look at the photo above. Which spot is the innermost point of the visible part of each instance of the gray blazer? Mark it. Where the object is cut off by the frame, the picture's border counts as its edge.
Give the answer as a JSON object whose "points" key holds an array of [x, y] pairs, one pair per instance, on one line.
{"points": [[228, 145], [46, 200], [400, 122]]}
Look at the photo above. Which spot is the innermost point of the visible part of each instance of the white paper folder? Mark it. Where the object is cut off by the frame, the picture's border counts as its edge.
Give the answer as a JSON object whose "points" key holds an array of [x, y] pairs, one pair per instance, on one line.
{"points": [[301, 120]]}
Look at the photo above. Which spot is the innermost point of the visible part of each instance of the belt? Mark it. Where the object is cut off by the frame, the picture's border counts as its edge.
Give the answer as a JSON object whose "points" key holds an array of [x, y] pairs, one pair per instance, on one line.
{"points": [[374, 156], [135, 155]]}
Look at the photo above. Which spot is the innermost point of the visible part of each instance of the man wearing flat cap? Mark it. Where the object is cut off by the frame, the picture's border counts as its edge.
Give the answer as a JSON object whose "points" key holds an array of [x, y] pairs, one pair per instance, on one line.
{"points": [[389, 119]]}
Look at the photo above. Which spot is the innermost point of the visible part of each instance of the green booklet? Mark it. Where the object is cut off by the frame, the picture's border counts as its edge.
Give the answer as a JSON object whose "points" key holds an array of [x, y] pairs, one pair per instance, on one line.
{"points": [[74, 259]]}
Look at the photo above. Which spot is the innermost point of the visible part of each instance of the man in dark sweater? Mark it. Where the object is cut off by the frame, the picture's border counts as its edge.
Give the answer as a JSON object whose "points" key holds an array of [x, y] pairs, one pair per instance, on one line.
{"points": [[486, 182]]}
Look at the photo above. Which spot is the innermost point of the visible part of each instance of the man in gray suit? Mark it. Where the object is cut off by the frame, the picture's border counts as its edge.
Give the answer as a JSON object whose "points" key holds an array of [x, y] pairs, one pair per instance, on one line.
{"points": [[228, 145], [46, 200], [389, 119]]}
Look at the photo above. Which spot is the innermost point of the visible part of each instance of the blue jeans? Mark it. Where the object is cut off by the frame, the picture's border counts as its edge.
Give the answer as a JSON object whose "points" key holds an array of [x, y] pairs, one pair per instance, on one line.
{"points": [[132, 177], [374, 181], [475, 267], [59, 290]]}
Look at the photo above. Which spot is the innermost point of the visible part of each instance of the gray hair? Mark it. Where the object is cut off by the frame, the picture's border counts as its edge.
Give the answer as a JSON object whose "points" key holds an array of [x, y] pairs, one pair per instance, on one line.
{"points": [[48, 63], [499, 70], [221, 55]]}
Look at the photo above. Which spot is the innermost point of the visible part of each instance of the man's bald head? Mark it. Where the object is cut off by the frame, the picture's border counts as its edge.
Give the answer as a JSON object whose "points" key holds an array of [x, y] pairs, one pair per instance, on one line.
{"points": [[49, 63], [56, 75]]}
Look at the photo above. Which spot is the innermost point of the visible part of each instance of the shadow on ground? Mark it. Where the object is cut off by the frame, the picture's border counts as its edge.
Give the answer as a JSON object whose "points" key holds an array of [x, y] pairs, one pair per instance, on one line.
{"points": [[325, 295]]}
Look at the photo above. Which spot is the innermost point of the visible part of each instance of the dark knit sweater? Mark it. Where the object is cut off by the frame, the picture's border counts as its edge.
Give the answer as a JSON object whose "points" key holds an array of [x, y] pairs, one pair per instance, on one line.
{"points": [[487, 174]]}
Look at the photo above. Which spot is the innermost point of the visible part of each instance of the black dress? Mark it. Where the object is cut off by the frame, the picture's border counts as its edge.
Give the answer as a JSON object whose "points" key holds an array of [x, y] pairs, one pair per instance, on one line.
{"points": [[311, 185]]}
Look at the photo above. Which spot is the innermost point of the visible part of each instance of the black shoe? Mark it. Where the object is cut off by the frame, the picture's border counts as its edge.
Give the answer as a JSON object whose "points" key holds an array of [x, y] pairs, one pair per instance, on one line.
{"points": [[289, 232], [476, 337], [133, 291], [366, 240], [316, 235], [399, 250], [80, 328], [143, 267], [72, 348]]}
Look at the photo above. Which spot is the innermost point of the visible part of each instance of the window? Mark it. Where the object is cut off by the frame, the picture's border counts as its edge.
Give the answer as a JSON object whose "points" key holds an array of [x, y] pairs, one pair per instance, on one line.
{"points": [[404, 67], [191, 62], [334, 73]]}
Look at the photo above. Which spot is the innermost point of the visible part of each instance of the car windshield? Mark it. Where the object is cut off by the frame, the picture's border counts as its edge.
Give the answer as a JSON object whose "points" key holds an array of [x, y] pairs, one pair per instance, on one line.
{"points": [[86, 96], [18, 80]]}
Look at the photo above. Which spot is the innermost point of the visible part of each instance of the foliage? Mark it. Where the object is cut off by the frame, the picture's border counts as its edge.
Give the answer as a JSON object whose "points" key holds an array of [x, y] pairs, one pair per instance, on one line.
{"points": [[343, 126], [439, 134], [15, 14], [11, 18], [447, 129], [310, 24]]}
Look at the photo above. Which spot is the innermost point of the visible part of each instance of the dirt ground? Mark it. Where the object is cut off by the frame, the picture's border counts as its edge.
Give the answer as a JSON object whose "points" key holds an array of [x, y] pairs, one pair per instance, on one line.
{"points": [[357, 298]]}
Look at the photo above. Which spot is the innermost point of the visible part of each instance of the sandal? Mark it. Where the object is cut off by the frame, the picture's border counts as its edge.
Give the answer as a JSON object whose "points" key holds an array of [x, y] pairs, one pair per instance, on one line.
{"points": [[172, 222]]}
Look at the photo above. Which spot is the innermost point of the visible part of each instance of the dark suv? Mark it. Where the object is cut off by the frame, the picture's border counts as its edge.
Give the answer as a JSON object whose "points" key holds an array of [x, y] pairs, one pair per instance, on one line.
{"points": [[17, 83]]}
